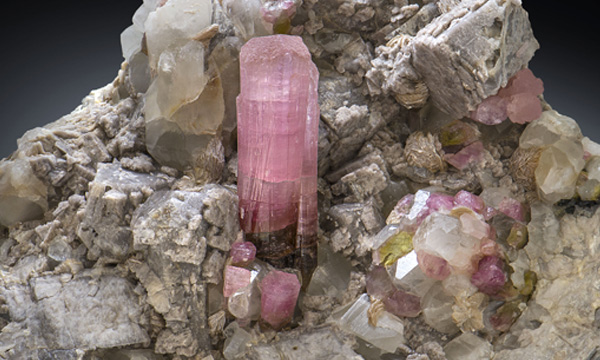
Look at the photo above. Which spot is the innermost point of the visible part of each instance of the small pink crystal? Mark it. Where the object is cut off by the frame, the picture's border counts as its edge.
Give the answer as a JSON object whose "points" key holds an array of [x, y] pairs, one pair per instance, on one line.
{"points": [[490, 277], [236, 278], [242, 253], [402, 304], [512, 208], [469, 155], [489, 213], [491, 111], [469, 200], [489, 247], [379, 284], [432, 266], [278, 299], [474, 226], [523, 108], [522, 82], [440, 201]]}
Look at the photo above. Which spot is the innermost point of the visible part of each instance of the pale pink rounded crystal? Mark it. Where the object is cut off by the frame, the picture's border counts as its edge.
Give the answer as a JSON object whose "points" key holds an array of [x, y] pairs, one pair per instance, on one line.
{"points": [[469, 200], [523, 108], [440, 202], [279, 293], [403, 304], [489, 277], [379, 284], [242, 253], [522, 82], [512, 208], [235, 278], [433, 266], [491, 111], [467, 156]]}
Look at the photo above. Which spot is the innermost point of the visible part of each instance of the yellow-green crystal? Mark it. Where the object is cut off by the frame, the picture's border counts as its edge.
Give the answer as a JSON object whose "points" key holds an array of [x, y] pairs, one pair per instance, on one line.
{"points": [[396, 247], [518, 236]]}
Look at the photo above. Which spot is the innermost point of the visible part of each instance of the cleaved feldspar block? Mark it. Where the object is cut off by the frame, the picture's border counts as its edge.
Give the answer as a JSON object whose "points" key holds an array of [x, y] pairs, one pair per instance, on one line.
{"points": [[465, 61]]}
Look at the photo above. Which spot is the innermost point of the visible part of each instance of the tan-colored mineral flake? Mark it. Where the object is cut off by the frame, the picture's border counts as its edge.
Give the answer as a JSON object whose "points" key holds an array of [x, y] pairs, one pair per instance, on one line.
{"points": [[445, 230]]}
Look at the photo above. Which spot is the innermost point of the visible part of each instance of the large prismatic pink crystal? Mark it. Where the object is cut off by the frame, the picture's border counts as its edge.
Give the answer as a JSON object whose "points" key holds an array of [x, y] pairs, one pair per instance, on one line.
{"points": [[279, 292], [278, 116]]}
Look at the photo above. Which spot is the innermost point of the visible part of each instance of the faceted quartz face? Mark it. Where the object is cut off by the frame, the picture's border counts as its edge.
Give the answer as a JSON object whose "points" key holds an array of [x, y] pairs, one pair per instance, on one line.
{"points": [[277, 150]]}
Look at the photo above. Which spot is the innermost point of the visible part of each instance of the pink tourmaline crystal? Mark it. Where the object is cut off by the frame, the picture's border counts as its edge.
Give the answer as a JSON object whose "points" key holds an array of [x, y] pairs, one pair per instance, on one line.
{"points": [[518, 101], [403, 304], [242, 253], [236, 278], [512, 208], [278, 299], [522, 82], [471, 201], [278, 116], [467, 156], [523, 108], [491, 111], [379, 284], [433, 266], [490, 277]]}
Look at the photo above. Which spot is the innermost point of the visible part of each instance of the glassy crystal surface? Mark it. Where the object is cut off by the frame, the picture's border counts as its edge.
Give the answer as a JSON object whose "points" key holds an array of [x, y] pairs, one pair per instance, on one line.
{"points": [[278, 117], [387, 335], [468, 346], [279, 293]]}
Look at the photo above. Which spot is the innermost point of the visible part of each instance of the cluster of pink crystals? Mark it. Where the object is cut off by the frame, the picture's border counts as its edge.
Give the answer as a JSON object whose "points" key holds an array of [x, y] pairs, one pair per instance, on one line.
{"points": [[518, 101], [458, 240], [256, 290]]}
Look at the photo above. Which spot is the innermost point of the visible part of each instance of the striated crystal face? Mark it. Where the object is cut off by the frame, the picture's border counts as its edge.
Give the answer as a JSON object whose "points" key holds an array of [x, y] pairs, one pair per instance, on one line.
{"points": [[277, 150]]}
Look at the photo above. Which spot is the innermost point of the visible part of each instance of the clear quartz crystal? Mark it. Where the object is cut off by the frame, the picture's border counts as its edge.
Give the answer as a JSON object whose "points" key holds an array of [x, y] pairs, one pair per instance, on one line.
{"points": [[468, 346], [408, 276], [236, 342], [437, 310], [387, 335]]}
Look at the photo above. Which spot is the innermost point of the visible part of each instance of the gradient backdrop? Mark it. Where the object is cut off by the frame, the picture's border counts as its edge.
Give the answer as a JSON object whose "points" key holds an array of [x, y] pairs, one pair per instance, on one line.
{"points": [[55, 52]]}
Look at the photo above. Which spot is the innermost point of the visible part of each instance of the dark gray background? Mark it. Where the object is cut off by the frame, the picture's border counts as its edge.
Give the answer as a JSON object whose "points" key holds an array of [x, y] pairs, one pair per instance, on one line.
{"points": [[55, 52]]}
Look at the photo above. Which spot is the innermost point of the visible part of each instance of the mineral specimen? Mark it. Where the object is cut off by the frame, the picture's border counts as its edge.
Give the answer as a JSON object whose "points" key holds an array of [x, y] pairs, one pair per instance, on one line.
{"points": [[473, 237], [277, 150]]}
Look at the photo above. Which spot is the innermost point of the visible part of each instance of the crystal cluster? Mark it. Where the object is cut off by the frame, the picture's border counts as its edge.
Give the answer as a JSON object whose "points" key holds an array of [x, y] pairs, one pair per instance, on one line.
{"points": [[518, 101], [449, 254], [278, 118], [253, 290], [167, 48]]}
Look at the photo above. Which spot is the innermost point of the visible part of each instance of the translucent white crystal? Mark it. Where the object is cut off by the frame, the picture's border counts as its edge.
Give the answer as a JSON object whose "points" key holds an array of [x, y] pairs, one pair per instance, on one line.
{"points": [[468, 346], [548, 129], [332, 274], [382, 236], [131, 41], [179, 80], [590, 147], [174, 24], [22, 195], [235, 344], [440, 235], [408, 276], [558, 169], [437, 310], [458, 284], [387, 335], [246, 17]]}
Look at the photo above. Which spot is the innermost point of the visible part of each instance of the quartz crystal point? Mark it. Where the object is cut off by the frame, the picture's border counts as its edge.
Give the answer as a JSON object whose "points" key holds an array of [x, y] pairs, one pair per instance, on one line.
{"points": [[278, 117]]}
